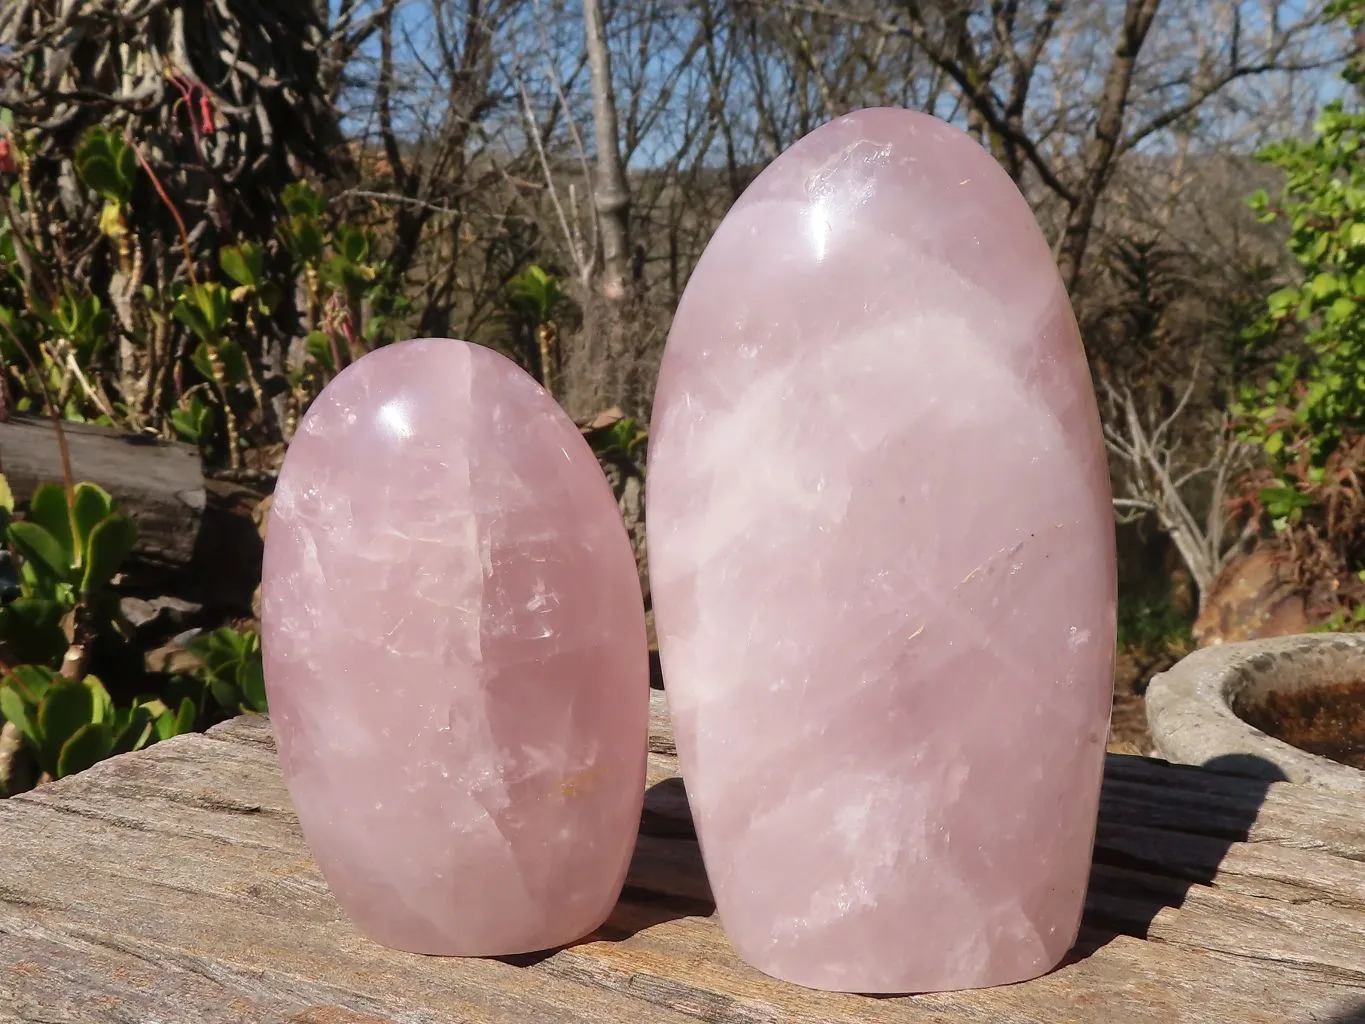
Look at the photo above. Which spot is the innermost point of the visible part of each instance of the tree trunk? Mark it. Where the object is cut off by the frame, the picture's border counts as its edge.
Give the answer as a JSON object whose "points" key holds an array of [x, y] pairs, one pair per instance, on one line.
{"points": [[1103, 145], [611, 193]]}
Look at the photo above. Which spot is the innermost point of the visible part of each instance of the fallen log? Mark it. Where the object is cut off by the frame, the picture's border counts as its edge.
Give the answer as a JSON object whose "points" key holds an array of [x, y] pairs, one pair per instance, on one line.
{"points": [[160, 484]]}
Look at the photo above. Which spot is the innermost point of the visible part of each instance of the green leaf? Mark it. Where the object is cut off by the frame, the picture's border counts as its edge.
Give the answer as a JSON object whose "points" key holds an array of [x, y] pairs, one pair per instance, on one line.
{"points": [[203, 360], [92, 504], [127, 166], [213, 301], [184, 425], [300, 199], [99, 173], [225, 693], [229, 354], [87, 746], [319, 346], [48, 508], [184, 719], [6, 495], [242, 263], [107, 164], [133, 730], [67, 706], [191, 317], [111, 221], [110, 543], [1323, 285], [1282, 301], [40, 549], [1284, 501], [1342, 310], [242, 644], [175, 722], [251, 681], [103, 703], [303, 239], [234, 363], [217, 651], [353, 244], [163, 724], [14, 709], [32, 681], [195, 423]]}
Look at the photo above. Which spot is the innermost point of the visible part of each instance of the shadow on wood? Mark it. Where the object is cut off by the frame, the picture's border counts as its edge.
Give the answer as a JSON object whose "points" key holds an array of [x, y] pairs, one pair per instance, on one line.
{"points": [[1140, 869], [667, 879]]}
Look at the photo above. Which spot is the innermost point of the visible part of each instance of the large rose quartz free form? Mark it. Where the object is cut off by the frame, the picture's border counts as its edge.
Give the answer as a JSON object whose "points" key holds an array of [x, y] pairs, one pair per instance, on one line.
{"points": [[882, 560], [455, 655]]}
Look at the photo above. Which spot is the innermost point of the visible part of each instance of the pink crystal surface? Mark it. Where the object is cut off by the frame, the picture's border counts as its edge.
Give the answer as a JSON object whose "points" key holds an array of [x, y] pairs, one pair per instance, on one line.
{"points": [[455, 655], [882, 560]]}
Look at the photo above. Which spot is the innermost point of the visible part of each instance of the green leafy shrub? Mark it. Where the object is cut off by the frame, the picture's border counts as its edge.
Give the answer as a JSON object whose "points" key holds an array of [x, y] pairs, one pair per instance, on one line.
{"points": [[534, 298], [193, 421], [62, 556], [71, 551], [1316, 394], [619, 440], [68, 725], [231, 668], [59, 558], [190, 361], [1308, 413]]}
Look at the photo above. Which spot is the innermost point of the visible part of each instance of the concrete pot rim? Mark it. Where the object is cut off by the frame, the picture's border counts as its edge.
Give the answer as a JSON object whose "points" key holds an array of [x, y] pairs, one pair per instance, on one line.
{"points": [[1189, 707]]}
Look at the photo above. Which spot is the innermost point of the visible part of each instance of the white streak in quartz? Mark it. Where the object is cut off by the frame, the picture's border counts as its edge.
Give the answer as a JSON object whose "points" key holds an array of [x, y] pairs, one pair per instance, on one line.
{"points": [[779, 503]]}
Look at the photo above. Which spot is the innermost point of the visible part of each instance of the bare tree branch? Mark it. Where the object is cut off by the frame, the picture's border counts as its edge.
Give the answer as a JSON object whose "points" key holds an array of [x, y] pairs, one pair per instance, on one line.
{"points": [[1156, 483]]}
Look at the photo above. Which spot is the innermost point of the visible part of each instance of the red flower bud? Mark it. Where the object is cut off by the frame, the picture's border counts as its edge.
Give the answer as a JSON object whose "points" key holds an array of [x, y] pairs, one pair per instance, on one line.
{"points": [[7, 164]]}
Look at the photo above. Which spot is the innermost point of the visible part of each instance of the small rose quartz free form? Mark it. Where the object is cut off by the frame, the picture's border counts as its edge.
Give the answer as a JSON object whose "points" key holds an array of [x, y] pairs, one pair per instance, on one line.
{"points": [[882, 562], [455, 655]]}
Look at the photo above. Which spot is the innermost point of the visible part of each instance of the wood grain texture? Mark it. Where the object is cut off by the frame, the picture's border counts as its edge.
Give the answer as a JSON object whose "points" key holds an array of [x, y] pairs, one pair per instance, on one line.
{"points": [[173, 885], [158, 483]]}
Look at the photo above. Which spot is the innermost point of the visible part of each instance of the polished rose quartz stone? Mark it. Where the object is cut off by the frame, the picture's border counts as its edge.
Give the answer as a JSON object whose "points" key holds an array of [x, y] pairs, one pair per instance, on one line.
{"points": [[882, 561], [455, 655]]}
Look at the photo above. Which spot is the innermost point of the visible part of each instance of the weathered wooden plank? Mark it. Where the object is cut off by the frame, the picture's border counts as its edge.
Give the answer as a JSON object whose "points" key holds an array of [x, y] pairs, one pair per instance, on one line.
{"points": [[160, 484], [54, 971], [253, 929], [1285, 814], [253, 730], [174, 885], [660, 725], [1254, 869], [1309, 939], [255, 919]]}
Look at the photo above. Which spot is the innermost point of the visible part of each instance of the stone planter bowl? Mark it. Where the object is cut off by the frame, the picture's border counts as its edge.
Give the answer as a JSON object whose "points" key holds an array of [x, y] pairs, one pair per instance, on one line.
{"points": [[1189, 707]]}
